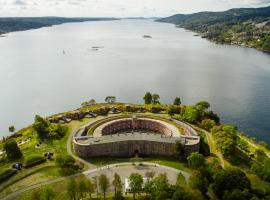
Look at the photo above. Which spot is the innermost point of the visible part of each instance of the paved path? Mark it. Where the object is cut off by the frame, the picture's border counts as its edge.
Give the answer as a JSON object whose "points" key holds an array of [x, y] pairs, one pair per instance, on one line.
{"points": [[92, 171]]}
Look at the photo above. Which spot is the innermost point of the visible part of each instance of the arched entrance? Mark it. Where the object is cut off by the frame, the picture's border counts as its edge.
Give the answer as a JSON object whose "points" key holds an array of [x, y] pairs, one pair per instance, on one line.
{"points": [[136, 153]]}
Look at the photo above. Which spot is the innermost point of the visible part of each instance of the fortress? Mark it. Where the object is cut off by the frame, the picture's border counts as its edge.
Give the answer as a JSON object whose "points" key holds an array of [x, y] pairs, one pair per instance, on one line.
{"points": [[130, 136]]}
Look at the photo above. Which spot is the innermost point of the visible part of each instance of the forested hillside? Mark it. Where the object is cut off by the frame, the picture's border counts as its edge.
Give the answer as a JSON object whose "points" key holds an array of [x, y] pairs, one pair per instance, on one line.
{"points": [[10, 24], [244, 26]]}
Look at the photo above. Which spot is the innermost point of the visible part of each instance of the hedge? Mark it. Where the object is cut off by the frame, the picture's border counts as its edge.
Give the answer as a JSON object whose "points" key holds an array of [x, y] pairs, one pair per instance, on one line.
{"points": [[7, 174], [34, 160]]}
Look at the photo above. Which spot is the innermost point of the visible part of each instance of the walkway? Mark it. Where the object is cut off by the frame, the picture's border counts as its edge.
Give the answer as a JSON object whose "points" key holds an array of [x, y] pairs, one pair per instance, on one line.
{"points": [[92, 171]]}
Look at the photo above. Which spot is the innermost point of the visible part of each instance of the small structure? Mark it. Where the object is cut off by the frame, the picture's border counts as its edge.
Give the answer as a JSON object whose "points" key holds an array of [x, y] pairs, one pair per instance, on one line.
{"points": [[48, 155], [17, 166]]}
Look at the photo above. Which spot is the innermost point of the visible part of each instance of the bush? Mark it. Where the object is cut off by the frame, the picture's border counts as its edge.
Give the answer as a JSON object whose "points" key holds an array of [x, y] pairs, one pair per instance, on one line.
{"points": [[67, 164], [45, 129], [34, 160], [12, 149], [7, 174]]}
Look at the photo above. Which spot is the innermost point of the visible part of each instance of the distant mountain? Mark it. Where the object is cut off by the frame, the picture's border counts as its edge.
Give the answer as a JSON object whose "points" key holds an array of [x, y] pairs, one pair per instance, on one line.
{"points": [[242, 26], [11, 24]]}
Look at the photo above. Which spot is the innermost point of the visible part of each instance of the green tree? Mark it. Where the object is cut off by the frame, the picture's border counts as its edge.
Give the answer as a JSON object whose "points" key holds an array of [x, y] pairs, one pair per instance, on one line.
{"points": [[196, 160], [160, 187], [191, 114], [203, 104], [257, 168], [198, 181], [72, 189], [237, 195], [48, 194], [103, 184], [12, 149], [266, 169], [147, 98], [67, 164], [11, 129], [186, 194], [177, 101], [41, 127], [243, 145], [92, 102], [110, 99], [226, 139], [90, 188], [207, 124], [117, 184], [230, 179], [171, 111], [155, 99], [260, 155], [95, 184], [135, 183], [82, 187]]}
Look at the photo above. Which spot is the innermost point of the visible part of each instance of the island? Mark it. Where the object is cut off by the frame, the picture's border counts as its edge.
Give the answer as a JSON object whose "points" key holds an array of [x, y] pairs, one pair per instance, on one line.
{"points": [[147, 36], [113, 150]]}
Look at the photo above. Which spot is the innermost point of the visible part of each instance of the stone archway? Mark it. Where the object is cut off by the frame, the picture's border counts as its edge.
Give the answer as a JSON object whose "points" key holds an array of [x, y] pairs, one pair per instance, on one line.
{"points": [[136, 153]]}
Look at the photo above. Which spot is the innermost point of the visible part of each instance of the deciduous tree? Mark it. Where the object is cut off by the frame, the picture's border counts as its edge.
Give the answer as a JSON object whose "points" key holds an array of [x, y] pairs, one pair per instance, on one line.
{"points": [[147, 98], [196, 160], [155, 99], [177, 101], [103, 184], [110, 99], [12, 149], [117, 184], [135, 183]]}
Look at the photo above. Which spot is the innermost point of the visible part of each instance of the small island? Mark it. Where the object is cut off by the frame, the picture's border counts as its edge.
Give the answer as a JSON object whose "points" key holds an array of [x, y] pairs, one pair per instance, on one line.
{"points": [[147, 36]]}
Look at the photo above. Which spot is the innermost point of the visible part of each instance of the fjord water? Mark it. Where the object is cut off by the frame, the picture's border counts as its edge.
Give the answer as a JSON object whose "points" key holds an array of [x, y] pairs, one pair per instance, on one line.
{"points": [[54, 69]]}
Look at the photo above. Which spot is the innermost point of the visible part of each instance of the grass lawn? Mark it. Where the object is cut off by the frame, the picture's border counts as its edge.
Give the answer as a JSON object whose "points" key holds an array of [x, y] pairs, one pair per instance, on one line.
{"points": [[40, 173], [162, 160]]}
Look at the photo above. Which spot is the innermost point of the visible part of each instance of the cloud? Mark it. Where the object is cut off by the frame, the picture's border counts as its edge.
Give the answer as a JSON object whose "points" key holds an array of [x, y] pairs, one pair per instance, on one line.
{"points": [[119, 8], [20, 2]]}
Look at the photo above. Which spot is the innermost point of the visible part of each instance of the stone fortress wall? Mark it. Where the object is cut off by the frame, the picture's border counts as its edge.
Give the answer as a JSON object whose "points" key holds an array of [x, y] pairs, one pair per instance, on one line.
{"points": [[137, 124], [135, 136]]}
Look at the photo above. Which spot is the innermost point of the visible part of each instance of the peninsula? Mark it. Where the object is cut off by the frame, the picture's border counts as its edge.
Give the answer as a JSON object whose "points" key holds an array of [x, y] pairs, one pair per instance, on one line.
{"points": [[11, 24], [248, 27]]}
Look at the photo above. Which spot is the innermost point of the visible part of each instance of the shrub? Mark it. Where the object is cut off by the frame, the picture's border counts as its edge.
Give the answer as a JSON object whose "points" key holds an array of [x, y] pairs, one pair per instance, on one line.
{"points": [[7, 174], [34, 160], [67, 164], [45, 129], [12, 149]]}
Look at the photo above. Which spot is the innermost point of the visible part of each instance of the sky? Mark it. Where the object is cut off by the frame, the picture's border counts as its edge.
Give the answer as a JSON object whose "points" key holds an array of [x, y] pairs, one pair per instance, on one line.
{"points": [[118, 8]]}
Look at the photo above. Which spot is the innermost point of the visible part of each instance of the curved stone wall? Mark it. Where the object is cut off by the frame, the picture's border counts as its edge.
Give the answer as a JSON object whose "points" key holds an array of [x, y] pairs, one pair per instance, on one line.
{"points": [[135, 124], [109, 140]]}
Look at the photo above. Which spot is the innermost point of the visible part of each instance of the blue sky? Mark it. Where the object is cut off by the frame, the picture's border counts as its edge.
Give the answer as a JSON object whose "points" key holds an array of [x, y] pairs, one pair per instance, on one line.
{"points": [[118, 8]]}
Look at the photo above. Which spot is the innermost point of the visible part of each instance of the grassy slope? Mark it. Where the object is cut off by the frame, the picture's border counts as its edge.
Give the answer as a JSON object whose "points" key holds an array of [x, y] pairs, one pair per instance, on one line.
{"points": [[49, 171], [40, 173]]}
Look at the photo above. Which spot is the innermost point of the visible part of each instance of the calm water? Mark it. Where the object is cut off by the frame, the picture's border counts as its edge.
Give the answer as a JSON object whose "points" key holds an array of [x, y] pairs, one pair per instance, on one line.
{"points": [[36, 77]]}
